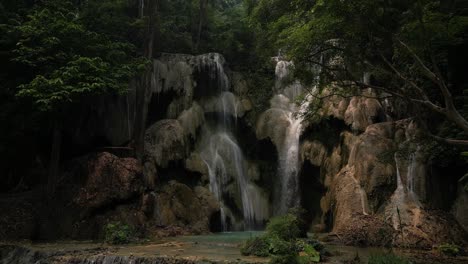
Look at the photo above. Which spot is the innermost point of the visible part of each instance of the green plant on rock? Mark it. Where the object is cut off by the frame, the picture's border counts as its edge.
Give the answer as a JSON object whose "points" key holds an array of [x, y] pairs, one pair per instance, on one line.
{"points": [[387, 259], [449, 249], [282, 241], [279, 246], [118, 233], [256, 246], [284, 227]]}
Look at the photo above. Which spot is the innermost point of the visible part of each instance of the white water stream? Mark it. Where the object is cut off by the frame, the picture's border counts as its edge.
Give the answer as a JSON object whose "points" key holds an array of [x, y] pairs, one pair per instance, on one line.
{"points": [[224, 158]]}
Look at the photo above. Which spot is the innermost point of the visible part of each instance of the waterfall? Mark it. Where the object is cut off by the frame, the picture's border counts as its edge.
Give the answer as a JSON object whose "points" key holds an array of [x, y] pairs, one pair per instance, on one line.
{"points": [[282, 123], [221, 152], [398, 198], [404, 203], [289, 165], [225, 162]]}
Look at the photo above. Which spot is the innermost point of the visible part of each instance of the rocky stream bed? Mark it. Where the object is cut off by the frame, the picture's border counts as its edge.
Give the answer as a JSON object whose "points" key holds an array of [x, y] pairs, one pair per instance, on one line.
{"points": [[215, 248]]}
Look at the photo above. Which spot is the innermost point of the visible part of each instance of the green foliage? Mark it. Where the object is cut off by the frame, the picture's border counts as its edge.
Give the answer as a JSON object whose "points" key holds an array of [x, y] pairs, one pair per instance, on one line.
{"points": [[367, 36], [118, 233], [68, 59], [449, 249], [284, 227], [282, 242], [387, 259], [279, 246], [256, 246], [224, 29], [309, 255]]}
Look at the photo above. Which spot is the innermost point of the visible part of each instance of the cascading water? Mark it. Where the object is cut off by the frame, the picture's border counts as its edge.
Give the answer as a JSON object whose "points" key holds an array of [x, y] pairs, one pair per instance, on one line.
{"points": [[404, 199], [282, 123], [412, 176], [223, 156], [289, 164], [225, 163], [398, 207], [207, 111]]}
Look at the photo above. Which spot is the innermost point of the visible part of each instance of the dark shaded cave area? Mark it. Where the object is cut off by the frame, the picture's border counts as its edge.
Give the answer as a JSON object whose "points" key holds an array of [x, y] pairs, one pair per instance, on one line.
{"points": [[312, 190], [442, 183]]}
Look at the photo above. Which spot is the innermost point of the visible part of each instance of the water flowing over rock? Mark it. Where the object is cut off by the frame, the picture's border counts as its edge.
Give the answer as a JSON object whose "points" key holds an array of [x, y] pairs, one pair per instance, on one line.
{"points": [[380, 182], [282, 124], [226, 163], [203, 117]]}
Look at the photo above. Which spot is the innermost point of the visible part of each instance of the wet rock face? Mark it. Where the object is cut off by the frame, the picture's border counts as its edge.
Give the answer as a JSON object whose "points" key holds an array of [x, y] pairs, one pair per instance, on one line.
{"points": [[109, 179], [164, 142], [177, 204], [358, 112], [375, 176]]}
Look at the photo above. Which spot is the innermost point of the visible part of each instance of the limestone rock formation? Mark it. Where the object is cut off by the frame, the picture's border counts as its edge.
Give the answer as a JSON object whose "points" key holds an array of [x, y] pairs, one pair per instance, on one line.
{"points": [[109, 179], [380, 184], [177, 204], [165, 142], [357, 112]]}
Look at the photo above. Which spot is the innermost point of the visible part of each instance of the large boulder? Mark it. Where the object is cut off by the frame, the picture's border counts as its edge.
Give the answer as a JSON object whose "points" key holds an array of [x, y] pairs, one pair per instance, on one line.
{"points": [[165, 142], [109, 180], [179, 205], [357, 112]]}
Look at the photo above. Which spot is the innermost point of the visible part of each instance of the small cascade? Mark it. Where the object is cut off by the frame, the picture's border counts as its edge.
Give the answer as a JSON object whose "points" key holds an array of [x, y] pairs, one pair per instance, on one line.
{"points": [[362, 195], [282, 123], [398, 198], [222, 154], [226, 163], [405, 206], [412, 175], [364, 201], [289, 165], [213, 64]]}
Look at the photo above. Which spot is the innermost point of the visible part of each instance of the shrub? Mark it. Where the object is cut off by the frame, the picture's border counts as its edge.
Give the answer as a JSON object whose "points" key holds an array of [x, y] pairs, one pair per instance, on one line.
{"points": [[257, 246], [309, 255], [284, 227], [387, 259], [278, 246], [118, 233], [281, 241], [449, 249]]}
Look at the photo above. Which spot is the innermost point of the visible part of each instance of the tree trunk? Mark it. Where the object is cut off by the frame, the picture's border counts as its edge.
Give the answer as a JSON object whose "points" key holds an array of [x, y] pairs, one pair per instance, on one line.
{"points": [[143, 84], [54, 159], [202, 12]]}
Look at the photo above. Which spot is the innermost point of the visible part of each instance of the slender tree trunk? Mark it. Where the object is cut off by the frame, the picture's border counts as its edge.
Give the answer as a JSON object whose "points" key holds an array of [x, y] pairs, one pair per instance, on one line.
{"points": [[202, 15], [54, 162], [143, 84]]}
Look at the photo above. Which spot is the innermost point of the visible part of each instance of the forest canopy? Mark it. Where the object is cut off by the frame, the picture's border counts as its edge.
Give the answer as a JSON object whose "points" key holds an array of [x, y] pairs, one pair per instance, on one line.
{"points": [[59, 55]]}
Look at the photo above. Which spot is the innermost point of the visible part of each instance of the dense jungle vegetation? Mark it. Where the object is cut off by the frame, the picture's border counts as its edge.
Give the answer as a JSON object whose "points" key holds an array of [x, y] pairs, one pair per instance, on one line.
{"points": [[58, 55]]}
